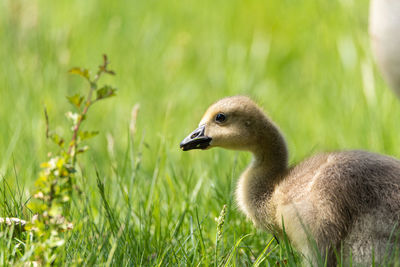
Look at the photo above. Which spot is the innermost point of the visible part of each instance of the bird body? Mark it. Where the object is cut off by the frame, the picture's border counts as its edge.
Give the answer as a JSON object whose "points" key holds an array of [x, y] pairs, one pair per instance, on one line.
{"points": [[384, 27], [349, 198], [341, 201]]}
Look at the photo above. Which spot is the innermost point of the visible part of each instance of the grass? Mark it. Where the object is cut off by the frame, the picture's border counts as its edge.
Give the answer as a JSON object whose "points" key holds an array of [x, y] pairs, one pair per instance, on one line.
{"points": [[308, 63]]}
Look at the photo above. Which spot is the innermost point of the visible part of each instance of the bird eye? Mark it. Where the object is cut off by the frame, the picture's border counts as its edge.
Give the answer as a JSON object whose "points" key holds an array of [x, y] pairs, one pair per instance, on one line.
{"points": [[220, 117]]}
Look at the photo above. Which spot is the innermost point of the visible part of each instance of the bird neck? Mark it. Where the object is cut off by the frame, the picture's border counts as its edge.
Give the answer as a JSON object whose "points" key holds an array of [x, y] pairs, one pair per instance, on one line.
{"points": [[270, 154], [258, 181]]}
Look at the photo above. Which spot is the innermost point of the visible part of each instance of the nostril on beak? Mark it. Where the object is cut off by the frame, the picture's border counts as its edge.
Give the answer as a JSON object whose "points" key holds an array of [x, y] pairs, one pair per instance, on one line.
{"points": [[194, 135]]}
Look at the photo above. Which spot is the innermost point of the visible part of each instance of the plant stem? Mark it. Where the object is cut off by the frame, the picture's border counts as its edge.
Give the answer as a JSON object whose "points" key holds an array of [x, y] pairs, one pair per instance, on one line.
{"points": [[93, 87], [78, 124]]}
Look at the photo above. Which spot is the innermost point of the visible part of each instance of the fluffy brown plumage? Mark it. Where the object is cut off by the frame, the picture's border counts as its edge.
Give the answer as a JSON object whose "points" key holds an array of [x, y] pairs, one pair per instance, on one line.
{"points": [[345, 201]]}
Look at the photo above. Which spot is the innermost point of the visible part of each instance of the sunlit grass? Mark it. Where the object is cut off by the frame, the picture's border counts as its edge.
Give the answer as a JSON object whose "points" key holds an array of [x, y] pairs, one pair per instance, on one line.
{"points": [[308, 63]]}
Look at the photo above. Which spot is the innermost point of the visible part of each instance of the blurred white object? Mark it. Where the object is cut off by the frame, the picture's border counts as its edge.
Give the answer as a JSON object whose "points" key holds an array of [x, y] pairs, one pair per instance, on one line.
{"points": [[384, 27]]}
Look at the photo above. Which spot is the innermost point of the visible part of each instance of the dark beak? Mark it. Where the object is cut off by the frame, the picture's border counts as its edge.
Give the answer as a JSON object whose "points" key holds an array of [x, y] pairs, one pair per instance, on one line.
{"points": [[196, 140]]}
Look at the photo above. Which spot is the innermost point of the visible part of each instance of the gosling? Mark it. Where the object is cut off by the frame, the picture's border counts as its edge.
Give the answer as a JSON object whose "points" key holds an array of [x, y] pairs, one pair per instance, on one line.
{"points": [[342, 202], [384, 27]]}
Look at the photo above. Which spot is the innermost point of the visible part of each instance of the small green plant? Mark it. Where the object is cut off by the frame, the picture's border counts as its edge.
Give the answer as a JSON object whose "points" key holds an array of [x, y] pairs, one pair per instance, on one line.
{"points": [[56, 182]]}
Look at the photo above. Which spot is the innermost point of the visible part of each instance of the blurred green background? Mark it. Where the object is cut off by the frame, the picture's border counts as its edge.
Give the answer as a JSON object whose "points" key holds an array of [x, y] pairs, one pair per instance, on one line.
{"points": [[307, 63]]}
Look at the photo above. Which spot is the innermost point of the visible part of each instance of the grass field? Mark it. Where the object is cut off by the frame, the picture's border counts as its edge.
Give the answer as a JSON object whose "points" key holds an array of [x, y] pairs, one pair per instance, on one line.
{"points": [[308, 63]]}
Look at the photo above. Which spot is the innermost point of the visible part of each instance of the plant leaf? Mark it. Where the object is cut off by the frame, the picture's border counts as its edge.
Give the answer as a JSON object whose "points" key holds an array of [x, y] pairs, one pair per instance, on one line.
{"points": [[57, 139], [80, 71], [86, 135], [82, 150], [76, 100], [111, 72], [105, 92]]}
